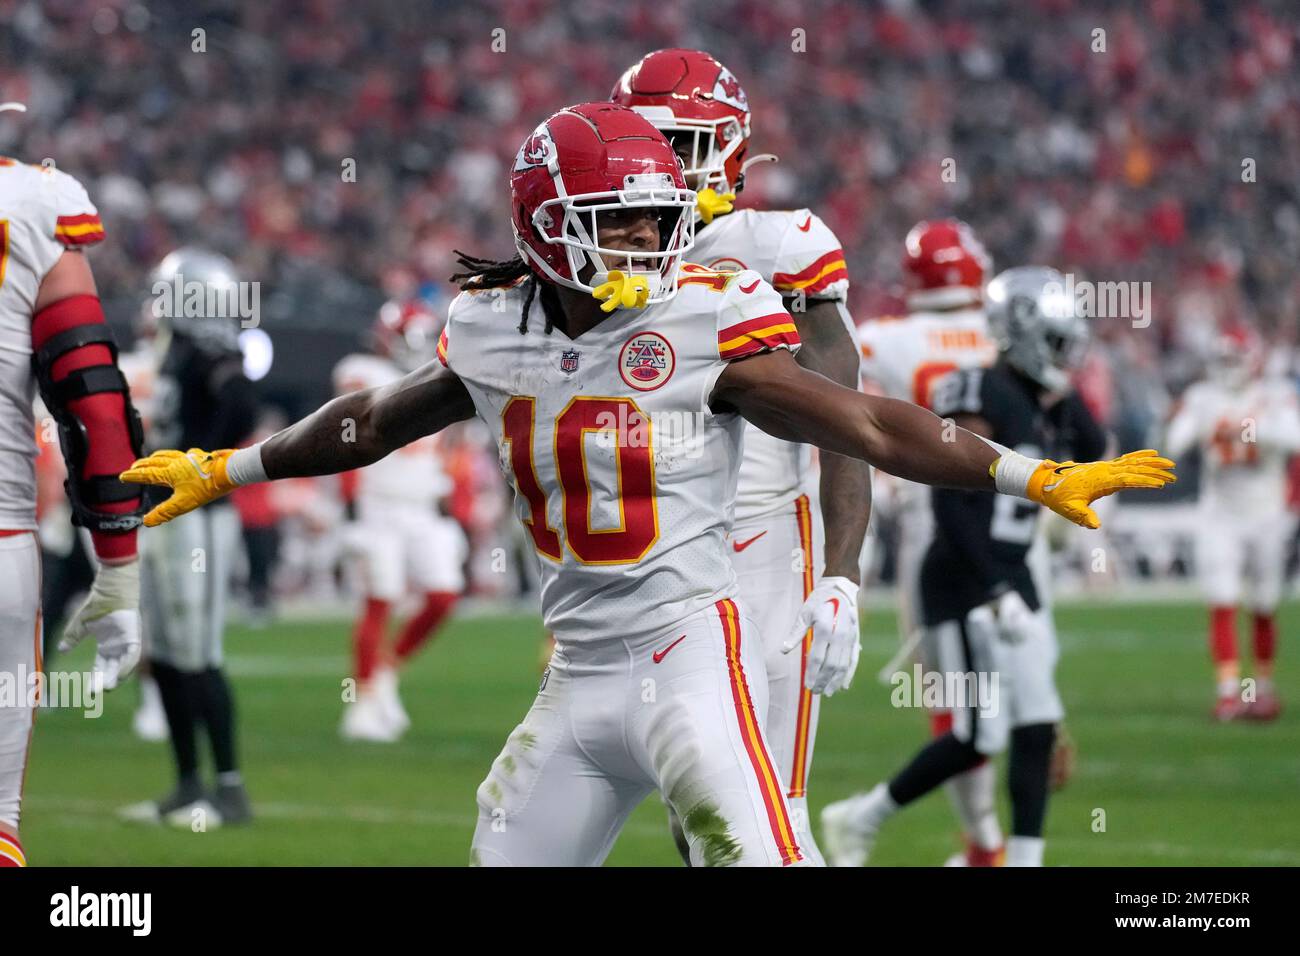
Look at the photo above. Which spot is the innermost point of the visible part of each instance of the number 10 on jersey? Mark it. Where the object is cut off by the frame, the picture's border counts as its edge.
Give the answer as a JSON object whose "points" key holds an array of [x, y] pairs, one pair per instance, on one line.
{"points": [[638, 527]]}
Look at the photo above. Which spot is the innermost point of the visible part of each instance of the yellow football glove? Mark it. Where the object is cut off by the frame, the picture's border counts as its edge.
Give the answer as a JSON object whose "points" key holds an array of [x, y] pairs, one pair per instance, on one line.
{"points": [[1068, 488], [710, 203], [195, 478], [621, 290]]}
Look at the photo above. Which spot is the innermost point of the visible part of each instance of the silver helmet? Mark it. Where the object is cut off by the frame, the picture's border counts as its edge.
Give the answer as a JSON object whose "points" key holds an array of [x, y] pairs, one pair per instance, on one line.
{"points": [[1035, 324], [196, 293]]}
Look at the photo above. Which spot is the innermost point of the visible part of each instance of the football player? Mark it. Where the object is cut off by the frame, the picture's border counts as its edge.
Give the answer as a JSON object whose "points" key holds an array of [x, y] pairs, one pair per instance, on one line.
{"points": [[979, 598], [1246, 425], [786, 576], [200, 396], [944, 269], [616, 379], [402, 541], [53, 337]]}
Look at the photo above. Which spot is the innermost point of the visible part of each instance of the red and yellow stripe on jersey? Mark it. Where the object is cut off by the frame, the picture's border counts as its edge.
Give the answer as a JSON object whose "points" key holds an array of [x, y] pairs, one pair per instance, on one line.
{"points": [[803, 717], [442, 347], [823, 272], [769, 783], [11, 851], [757, 335], [82, 230]]}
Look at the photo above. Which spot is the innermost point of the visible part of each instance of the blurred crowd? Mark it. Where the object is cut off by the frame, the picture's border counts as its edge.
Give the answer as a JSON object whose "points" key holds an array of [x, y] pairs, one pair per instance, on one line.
{"points": [[1155, 142]]}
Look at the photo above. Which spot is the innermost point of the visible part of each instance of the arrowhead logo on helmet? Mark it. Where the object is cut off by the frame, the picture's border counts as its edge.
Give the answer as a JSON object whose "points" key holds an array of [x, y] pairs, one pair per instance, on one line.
{"points": [[700, 106], [582, 165]]}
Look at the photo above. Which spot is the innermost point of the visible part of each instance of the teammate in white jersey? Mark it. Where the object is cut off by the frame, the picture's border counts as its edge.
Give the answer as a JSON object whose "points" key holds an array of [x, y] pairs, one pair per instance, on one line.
{"points": [[786, 577], [945, 329], [403, 543], [53, 336], [1247, 426], [618, 420]]}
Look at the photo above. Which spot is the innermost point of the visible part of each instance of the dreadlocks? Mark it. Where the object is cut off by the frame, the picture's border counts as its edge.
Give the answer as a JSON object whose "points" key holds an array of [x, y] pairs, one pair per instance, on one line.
{"points": [[494, 274]]}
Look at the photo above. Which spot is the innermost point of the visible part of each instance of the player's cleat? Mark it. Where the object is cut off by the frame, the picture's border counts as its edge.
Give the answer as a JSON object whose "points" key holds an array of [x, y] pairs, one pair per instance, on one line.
{"points": [[1265, 707], [1228, 709], [230, 801], [384, 684], [177, 808], [364, 719], [847, 834]]}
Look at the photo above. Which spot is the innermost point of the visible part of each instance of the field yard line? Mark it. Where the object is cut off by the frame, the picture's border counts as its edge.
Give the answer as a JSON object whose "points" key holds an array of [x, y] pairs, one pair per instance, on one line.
{"points": [[1275, 857], [279, 810]]}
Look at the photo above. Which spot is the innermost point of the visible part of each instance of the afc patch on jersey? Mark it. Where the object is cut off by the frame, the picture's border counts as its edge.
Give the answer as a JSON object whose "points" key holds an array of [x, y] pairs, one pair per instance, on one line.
{"points": [[646, 361]]}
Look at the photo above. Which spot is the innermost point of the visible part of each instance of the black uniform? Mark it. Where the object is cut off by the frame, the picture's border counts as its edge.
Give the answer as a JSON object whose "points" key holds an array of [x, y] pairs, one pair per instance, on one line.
{"points": [[203, 401], [981, 540]]}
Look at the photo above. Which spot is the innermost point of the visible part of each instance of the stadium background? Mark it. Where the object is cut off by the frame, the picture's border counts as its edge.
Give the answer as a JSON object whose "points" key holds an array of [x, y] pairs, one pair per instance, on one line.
{"points": [[1118, 165]]}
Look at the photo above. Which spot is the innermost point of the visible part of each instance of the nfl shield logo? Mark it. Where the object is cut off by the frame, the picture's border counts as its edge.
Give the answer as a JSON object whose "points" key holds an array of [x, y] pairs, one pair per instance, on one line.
{"points": [[569, 361]]}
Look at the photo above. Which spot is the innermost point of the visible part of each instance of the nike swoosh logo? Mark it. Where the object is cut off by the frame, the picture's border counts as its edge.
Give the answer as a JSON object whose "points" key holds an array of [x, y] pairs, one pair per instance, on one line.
{"points": [[202, 474], [836, 602], [660, 655], [751, 288], [807, 224], [740, 546]]}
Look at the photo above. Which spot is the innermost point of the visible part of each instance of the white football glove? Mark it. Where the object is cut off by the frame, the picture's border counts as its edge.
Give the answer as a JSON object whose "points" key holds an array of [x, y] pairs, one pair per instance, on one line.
{"points": [[1014, 619], [831, 610], [110, 615]]}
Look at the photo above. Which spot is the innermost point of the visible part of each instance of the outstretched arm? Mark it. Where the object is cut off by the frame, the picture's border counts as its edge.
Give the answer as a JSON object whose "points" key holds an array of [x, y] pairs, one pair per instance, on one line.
{"points": [[776, 394], [352, 431], [360, 428]]}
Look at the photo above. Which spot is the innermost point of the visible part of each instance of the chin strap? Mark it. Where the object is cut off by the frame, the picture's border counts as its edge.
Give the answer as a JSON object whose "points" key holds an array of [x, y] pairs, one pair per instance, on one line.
{"points": [[622, 290]]}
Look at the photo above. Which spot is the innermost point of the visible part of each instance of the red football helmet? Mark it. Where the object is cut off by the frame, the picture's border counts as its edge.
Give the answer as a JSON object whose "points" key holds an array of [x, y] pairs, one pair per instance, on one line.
{"points": [[589, 159], [687, 93], [943, 265], [406, 331], [1236, 356]]}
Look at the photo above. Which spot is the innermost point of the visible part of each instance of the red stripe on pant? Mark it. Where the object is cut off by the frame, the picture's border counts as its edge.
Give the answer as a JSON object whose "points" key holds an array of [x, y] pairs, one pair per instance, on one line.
{"points": [[768, 781]]}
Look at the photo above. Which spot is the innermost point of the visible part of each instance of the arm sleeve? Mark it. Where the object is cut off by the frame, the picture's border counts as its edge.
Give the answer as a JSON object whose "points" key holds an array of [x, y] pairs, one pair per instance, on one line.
{"points": [[752, 318], [810, 261]]}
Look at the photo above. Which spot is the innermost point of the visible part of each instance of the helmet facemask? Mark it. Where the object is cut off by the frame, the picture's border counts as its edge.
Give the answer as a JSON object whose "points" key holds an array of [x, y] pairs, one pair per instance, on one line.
{"points": [[706, 146], [579, 219]]}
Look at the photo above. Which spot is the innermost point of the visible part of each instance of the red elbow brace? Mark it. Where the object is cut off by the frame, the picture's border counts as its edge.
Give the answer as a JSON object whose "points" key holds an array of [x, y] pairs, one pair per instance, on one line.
{"points": [[75, 360]]}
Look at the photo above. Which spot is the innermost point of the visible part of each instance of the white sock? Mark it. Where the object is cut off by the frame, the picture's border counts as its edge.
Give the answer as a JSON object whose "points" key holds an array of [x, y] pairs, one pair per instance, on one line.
{"points": [[1025, 851], [803, 830], [150, 698], [1230, 687], [1264, 686], [874, 808], [971, 794]]}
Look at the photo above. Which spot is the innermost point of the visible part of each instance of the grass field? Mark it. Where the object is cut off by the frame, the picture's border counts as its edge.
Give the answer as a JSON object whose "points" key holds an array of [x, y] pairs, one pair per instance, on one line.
{"points": [[1176, 790]]}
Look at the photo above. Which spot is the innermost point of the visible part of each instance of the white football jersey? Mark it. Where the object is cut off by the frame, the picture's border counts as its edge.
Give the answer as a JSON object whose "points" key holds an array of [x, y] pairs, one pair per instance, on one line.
{"points": [[906, 355], [623, 477], [412, 475], [796, 252], [43, 212], [1245, 436]]}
